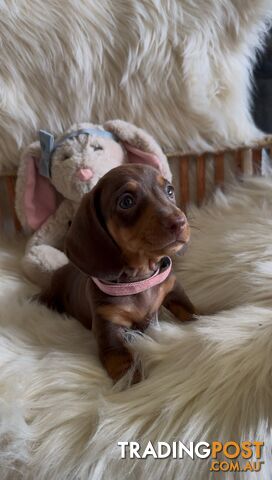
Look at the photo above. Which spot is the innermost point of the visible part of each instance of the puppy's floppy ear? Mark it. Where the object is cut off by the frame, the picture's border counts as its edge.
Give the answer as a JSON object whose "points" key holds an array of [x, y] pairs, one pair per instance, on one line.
{"points": [[88, 244]]}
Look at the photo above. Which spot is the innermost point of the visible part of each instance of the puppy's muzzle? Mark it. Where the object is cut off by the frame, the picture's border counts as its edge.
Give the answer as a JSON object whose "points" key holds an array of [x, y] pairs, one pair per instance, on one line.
{"points": [[175, 224]]}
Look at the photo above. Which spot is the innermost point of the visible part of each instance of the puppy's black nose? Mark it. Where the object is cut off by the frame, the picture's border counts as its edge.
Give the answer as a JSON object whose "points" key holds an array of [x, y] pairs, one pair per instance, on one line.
{"points": [[176, 223]]}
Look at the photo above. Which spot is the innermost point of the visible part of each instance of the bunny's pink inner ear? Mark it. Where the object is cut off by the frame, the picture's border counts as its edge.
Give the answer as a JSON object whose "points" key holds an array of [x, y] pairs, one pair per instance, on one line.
{"points": [[39, 196], [138, 156]]}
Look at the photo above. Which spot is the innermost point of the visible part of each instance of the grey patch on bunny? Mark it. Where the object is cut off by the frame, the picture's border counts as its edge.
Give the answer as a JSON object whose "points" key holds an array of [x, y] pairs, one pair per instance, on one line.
{"points": [[48, 145], [47, 196]]}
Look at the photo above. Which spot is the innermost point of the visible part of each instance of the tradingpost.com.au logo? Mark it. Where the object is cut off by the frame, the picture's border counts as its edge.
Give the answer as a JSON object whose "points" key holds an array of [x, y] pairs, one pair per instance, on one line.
{"points": [[225, 457]]}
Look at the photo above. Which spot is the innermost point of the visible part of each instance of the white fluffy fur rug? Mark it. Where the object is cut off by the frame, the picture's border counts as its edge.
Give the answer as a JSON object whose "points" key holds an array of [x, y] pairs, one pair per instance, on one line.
{"points": [[170, 66], [61, 418]]}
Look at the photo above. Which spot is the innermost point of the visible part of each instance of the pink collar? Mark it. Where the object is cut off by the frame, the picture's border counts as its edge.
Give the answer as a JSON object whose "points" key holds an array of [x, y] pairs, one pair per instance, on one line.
{"points": [[123, 289]]}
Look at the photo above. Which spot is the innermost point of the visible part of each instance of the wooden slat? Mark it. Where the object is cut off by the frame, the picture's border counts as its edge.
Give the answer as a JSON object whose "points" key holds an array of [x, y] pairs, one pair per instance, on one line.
{"points": [[267, 143], [184, 181], [8, 173], [257, 161], [219, 170], [10, 182], [200, 178], [247, 162], [239, 162]]}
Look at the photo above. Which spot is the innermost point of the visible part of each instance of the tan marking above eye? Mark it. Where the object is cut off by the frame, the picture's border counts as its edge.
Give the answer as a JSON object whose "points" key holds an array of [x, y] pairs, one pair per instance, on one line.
{"points": [[160, 180], [132, 185]]}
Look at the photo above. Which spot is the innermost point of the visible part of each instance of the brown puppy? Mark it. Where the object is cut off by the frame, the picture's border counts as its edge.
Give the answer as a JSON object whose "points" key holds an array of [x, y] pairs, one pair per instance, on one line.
{"points": [[119, 275]]}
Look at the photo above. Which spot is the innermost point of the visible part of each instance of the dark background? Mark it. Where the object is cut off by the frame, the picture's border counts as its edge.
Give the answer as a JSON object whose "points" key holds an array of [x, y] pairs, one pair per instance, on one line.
{"points": [[262, 94]]}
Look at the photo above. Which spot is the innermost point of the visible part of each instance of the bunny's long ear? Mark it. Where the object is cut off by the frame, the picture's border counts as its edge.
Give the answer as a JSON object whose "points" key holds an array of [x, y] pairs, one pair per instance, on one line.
{"points": [[140, 146], [88, 244], [36, 197]]}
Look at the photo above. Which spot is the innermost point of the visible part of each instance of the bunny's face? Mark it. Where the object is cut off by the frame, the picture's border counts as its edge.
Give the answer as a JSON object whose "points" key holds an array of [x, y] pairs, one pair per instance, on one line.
{"points": [[80, 162]]}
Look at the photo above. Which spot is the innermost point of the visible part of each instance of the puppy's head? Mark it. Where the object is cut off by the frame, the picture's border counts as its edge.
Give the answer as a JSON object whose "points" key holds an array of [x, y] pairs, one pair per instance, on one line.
{"points": [[128, 218]]}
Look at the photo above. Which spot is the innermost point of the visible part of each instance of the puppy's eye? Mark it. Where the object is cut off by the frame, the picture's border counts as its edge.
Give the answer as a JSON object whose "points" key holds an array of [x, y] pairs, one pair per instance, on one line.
{"points": [[126, 201], [170, 191], [97, 147]]}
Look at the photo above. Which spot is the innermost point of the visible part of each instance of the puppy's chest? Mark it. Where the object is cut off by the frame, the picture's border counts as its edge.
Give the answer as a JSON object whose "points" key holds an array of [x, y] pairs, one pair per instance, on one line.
{"points": [[137, 311]]}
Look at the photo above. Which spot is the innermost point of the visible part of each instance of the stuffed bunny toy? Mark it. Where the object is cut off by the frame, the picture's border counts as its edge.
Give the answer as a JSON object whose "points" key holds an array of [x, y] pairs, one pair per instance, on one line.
{"points": [[54, 174]]}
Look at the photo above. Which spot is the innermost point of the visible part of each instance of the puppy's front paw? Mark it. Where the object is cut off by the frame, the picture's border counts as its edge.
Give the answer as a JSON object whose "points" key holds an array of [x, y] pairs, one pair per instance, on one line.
{"points": [[117, 364], [181, 313]]}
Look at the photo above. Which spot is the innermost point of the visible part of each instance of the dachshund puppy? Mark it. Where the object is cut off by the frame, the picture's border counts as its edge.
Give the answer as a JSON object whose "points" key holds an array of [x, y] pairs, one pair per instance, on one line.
{"points": [[120, 272]]}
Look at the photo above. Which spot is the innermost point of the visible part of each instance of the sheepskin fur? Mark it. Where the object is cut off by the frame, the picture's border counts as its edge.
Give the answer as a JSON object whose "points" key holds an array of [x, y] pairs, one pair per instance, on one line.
{"points": [[61, 418], [230, 259], [172, 67]]}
